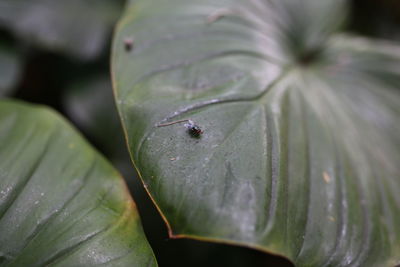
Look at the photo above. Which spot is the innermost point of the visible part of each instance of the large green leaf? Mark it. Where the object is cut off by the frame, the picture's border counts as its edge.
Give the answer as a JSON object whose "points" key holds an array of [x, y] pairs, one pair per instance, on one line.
{"points": [[77, 27], [301, 144], [61, 203]]}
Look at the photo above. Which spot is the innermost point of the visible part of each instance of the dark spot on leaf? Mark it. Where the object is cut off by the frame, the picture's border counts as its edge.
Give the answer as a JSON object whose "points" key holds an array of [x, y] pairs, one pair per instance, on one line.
{"points": [[128, 43], [195, 131]]}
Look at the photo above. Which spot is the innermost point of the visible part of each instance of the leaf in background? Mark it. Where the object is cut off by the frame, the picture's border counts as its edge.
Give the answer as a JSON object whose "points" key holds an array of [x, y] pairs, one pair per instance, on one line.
{"points": [[377, 18], [76, 27], [61, 203], [86, 103], [10, 69], [301, 145]]}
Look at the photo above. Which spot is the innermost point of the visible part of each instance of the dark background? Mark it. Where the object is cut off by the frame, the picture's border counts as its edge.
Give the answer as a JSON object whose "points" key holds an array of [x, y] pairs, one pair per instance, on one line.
{"points": [[80, 89]]}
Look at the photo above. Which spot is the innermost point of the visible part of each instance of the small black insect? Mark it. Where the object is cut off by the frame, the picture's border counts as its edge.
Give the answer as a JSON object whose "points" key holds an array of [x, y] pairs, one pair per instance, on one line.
{"points": [[193, 129], [128, 43]]}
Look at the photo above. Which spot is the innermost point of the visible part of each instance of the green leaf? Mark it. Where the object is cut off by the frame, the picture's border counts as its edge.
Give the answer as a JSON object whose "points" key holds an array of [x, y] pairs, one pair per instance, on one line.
{"points": [[301, 144], [61, 203], [77, 27], [10, 69], [85, 102]]}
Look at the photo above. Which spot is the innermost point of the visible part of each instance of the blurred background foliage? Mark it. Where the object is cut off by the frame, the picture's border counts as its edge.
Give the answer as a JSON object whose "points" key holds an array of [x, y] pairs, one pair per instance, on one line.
{"points": [[57, 53]]}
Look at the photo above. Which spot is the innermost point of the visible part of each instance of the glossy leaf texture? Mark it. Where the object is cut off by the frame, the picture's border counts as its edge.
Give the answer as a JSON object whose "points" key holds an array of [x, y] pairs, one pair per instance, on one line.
{"points": [[300, 146], [76, 27], [61, 203]]}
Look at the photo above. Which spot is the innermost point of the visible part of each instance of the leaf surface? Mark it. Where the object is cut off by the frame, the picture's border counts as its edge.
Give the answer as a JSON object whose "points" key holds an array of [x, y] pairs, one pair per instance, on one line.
{"points": [[300, 149], [61, 203], [10, 69], [75, 27]]}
